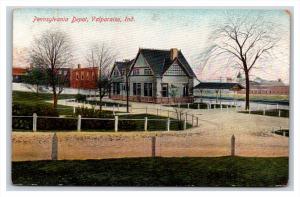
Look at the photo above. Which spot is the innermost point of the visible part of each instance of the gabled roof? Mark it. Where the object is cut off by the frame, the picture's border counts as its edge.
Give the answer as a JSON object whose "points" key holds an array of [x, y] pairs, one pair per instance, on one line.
{"points": [[218, 85], [160, 61], [121, 65]]}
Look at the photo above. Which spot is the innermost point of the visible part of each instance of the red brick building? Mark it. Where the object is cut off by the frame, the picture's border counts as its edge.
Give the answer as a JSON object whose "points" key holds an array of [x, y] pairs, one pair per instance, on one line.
{"points": [[17, 73], [84, 78]]}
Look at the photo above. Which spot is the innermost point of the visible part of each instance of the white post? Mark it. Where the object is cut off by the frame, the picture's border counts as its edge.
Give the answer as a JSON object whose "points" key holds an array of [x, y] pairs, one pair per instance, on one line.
{"points": [[114, 109], [184, 124], [186, 115], [168, 114], [221, 106], [192, 120], [279, 112], [264, 111], [116, 123], [198, 105], [168, 124], [34, 122], [74, 110], [197, 121], [188, 106], [146, 124], [79, 123], [277, 106]]}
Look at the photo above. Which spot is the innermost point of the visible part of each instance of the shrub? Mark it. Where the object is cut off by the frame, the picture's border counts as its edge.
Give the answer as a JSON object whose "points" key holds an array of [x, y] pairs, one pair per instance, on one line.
{"points": [[80, 97]]}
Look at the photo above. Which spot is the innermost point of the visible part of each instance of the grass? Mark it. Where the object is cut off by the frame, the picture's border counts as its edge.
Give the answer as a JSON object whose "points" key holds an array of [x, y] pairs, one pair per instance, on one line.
{"points": [[31, 98], [202, 172], [155, 123]]}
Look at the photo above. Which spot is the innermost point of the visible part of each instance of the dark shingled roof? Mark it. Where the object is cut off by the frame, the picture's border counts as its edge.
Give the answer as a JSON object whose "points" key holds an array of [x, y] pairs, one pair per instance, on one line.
{"points": [[218, 85], [160, 61], [122, 64]]}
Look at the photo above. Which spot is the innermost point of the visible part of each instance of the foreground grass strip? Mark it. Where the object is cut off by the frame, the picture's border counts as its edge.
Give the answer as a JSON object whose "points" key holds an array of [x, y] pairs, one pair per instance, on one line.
{"points": [[203, 172]]}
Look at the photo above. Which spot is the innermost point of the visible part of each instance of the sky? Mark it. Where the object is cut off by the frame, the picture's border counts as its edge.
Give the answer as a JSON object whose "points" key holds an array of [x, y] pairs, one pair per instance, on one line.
{"points": [[185, 29]]}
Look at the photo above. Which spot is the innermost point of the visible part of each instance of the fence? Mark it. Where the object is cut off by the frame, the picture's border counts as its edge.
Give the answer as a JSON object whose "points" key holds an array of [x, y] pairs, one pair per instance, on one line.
{"points": [[116, 122]]}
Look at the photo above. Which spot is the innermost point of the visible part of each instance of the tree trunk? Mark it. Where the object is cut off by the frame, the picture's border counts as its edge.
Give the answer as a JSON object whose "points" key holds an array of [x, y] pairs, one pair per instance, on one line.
{"points": [[100, 95], [247, 104], [127, 95], [54, 100]]}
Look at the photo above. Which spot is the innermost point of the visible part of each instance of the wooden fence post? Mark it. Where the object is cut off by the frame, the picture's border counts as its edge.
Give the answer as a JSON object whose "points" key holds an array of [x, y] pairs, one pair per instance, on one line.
{"points": [[79, 123], [168, 124], [34, 122], [54, 151], [184, 124], [153, 144], [232, 145], [116, 123], [146, 124]]}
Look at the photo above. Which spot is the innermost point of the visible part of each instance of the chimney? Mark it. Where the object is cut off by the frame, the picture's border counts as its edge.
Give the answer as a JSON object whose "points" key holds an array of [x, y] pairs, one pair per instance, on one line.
{"points": [[78, 66], [173, 53]]}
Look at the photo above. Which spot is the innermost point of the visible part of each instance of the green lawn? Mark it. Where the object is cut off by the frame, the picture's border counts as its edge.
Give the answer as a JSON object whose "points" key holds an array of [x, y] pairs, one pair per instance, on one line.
{"points": [[203, 172], [31, 98]]}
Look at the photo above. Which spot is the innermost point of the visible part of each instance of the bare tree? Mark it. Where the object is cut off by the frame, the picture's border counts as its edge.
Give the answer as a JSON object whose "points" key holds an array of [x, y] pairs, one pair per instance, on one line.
{"points": [[246, 41], [51, 52], [102, 57]]}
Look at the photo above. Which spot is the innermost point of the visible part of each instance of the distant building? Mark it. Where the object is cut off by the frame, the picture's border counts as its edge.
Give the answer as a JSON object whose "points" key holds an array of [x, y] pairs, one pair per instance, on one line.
{"points": [[84, 78], [155, 76], [18, 73], [262, 86]]}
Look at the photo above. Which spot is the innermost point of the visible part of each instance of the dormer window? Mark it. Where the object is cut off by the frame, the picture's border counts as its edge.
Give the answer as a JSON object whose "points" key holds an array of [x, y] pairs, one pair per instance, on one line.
{"points": [[147, 71], [136, 71]]}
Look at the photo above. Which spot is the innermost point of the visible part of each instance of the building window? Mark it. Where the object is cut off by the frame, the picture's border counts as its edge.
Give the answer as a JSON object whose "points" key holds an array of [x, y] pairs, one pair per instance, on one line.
{"points": [[186, 90], [136, 71], [137, 89], [77, 76], [82, 76], [87, 75], [123, 71], [164, 90], [147, 89], [65, 72], [116, 88], [147, 71], [115, 73]]}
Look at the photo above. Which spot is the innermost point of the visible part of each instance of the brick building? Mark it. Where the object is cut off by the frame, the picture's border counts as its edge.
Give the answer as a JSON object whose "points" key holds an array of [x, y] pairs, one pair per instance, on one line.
{"points": [[84, 78], [17, 73]]}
